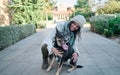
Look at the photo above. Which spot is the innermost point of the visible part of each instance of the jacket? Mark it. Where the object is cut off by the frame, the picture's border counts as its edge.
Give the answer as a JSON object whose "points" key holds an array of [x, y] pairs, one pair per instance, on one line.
{"points": [[61, 26]]}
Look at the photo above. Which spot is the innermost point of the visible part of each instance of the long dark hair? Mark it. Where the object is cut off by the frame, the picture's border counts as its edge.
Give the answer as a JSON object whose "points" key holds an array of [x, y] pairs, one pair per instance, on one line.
{"points": [[77, 32]]}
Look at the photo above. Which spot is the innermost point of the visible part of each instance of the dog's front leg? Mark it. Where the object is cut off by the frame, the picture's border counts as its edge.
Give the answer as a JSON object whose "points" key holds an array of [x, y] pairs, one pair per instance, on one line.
{"points": [[59, 69], [51, 64]]}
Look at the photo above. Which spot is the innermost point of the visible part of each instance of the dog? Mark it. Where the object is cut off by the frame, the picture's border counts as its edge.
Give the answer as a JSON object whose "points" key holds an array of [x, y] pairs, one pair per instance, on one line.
{"points": [[61, 43]]}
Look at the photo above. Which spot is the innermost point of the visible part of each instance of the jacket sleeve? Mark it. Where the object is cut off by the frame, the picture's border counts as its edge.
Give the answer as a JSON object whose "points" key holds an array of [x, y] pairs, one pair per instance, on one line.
{"points": [[75, 48], [51, 37]]}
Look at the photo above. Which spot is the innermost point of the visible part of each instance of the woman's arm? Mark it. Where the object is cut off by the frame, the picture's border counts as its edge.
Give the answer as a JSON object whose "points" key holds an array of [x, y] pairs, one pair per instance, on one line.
{"points": [[51, 37], [75, 48]]}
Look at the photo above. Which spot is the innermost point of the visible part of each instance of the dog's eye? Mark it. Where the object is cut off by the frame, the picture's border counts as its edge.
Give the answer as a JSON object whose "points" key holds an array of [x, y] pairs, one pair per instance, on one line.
{"points": [[59, 39]]}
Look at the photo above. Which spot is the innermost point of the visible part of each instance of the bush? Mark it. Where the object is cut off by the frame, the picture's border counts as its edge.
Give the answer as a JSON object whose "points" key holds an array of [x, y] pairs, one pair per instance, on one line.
{"points": [[114, 25], [107, 32], [99, 22], [11, 34], [50, 17], [109, 25], [41, 24]]}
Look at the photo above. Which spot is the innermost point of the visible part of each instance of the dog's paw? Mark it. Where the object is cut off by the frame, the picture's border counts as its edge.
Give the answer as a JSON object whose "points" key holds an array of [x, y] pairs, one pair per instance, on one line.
{"points": [[48, 69], [71, 69], [57, 73]]}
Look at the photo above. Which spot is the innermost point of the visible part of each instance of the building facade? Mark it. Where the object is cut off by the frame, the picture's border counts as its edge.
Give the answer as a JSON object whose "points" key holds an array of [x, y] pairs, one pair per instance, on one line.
{"points": [[62, 12]]}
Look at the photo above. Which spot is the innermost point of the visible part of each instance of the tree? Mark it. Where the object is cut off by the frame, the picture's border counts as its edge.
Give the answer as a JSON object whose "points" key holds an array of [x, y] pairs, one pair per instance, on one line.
{"points": [[48, 7], [28, 11], [110, 8], [82, 3], [83, 8]]}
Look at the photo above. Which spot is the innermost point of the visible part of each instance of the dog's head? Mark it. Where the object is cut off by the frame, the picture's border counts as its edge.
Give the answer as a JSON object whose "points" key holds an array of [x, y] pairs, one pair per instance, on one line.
{"points": [[62, 39]]}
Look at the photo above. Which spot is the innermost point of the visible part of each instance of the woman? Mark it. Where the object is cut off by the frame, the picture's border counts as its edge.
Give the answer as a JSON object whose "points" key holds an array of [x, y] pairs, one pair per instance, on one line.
{"points": [[73, 28]]}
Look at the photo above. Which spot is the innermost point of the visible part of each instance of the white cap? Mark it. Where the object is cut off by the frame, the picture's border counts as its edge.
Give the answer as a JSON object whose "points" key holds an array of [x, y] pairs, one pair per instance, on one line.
{"points": [[79, 19]]}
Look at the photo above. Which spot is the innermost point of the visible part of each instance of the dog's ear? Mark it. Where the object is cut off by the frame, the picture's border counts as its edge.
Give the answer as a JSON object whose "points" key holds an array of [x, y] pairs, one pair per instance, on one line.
{"points": [[57, 31]]}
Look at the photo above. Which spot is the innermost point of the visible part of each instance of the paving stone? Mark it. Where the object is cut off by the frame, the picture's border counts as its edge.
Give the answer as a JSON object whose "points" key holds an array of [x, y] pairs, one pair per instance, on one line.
{"points": [[98, 55]]}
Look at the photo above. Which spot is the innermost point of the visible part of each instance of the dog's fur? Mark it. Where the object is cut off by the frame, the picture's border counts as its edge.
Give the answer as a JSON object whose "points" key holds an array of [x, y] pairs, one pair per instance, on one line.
{"points": [[60, 38]]}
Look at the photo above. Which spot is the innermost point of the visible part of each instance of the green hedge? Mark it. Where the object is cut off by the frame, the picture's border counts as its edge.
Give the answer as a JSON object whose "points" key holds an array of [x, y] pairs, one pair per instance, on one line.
{"points": [[11, 34], [99, 22], [108, 24], [114, 25]]}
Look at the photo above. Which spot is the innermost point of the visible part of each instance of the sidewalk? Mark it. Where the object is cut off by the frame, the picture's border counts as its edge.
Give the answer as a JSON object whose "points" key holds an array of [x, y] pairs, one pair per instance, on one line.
{"points": [[99, 56]]}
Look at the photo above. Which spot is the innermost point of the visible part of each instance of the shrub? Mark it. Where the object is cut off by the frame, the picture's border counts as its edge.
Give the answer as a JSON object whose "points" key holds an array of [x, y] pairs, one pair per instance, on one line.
{"points": [[50, 17], [107, 33], [114, 25], [109, 25], [99, 22], [11, 34], [41, 24]]}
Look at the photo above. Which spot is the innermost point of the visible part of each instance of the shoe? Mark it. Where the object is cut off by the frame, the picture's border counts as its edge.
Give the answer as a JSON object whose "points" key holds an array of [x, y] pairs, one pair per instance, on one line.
{"points": [[45, 64]]}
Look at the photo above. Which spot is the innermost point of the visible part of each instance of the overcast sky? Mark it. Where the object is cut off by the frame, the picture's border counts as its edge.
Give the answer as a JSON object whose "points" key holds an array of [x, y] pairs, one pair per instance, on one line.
{"points": [[66, 2]]}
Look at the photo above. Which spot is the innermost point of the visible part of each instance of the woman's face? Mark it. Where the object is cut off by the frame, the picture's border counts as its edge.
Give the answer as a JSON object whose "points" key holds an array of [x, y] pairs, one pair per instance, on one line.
{"points": [[74, 26]]}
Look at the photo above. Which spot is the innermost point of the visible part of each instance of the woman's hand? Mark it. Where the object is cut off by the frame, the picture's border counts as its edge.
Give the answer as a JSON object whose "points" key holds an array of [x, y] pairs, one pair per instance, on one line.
{"points": [[75, 57], [56, 52]]}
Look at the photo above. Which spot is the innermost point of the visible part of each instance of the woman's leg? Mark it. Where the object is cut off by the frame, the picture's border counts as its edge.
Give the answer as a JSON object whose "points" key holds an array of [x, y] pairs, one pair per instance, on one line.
{"points": [[44, 56]]}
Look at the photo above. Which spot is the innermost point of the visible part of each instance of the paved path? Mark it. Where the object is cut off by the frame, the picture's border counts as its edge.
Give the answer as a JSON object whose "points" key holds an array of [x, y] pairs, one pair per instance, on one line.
{"points": [[99, 56]]}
